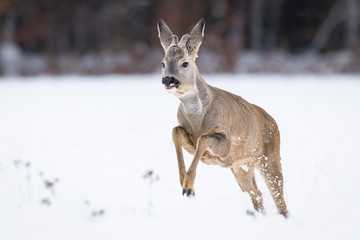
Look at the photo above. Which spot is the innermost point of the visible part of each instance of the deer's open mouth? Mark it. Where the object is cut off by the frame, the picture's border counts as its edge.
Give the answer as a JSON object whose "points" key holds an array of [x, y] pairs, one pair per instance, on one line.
{"points": [[172, 85]]}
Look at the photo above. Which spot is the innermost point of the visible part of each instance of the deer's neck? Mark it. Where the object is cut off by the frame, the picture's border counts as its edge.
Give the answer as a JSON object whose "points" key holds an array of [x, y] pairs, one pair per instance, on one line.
{"points": [[197, 100], [192, 103]]}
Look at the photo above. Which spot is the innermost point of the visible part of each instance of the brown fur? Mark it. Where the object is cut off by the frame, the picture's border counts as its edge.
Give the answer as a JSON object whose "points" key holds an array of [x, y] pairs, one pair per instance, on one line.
{"points": [[218, 127]]}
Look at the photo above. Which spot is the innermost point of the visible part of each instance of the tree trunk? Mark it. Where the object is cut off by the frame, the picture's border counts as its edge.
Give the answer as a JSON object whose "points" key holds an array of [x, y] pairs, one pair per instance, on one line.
{"points": [[256, 24], [352, 24], [335, 17], [271, 39]]}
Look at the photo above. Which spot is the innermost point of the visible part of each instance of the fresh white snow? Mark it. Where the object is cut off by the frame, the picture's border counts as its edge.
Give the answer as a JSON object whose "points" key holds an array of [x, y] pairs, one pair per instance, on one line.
{"points": [[76, 151]]}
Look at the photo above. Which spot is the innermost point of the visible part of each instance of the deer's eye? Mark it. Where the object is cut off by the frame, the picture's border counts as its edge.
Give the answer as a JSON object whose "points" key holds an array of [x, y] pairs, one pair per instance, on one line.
{"points": [[185, 64], [163, 65]]}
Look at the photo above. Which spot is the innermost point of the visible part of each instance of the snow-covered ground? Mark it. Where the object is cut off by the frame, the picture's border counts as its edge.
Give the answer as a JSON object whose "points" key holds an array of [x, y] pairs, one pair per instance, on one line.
{"points": [[74, 151]]}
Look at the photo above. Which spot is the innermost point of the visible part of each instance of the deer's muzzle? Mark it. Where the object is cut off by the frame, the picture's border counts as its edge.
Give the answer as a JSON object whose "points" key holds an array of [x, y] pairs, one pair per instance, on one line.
{"points": [[170, 82]]}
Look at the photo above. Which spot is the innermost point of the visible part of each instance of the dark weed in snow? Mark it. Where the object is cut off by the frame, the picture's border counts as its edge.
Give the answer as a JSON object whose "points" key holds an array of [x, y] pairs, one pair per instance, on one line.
{"points": [[98, 213], [46, 202], [151, 177]]}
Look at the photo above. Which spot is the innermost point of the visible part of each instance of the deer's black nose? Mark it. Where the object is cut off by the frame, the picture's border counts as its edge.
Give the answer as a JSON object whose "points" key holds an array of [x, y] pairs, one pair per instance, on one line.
{"points": [[167, 81]]}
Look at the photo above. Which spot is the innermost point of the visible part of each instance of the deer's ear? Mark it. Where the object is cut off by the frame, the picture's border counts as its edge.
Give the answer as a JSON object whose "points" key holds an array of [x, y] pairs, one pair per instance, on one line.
{"points": [[195, 38], [165, 34]]}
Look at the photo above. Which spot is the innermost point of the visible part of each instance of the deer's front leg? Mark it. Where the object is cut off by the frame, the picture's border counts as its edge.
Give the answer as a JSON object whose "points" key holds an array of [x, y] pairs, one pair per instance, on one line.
{"points": [[182, 139], [218, 144]]}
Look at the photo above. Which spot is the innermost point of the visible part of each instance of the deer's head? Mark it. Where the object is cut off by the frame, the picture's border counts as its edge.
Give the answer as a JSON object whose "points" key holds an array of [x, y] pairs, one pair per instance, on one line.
{"points": [[178, 66]]}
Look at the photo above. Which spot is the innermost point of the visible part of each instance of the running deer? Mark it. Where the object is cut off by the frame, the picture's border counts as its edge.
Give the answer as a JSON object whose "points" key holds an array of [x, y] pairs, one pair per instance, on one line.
{"points": [[216, 126]]}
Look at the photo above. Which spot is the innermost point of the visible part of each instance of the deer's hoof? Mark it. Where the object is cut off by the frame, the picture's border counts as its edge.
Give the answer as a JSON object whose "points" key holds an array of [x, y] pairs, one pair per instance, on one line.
{"points": [[285, 213], [189, 192]]}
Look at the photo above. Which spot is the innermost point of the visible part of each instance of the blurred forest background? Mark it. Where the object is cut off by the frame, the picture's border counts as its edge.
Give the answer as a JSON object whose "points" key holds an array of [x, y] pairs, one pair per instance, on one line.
{"points": [[120, 36]]}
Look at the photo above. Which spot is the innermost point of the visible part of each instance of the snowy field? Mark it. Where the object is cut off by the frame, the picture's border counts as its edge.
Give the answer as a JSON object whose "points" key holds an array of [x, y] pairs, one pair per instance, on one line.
{"points": [[74, 151]]}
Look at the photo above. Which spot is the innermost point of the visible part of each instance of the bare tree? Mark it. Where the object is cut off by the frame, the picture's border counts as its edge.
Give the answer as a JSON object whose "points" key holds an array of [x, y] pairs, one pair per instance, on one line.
{"points": [[10, 53], [256, 27], [352, 23], [271, 31], [347, 11]]}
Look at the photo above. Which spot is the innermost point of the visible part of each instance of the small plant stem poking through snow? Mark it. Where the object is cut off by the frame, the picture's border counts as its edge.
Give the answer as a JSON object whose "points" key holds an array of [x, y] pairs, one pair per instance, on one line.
{"points": [[250, 213], [151, 177], [98, 213]]}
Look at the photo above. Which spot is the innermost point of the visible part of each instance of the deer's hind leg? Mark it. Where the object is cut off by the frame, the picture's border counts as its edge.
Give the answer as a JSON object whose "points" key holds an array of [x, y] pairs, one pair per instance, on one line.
{"points": [[270, 169], [247, 183]]}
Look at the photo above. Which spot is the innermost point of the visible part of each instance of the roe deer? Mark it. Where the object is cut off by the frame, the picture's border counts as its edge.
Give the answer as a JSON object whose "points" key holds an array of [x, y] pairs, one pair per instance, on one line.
{"points": [[218, 127]]}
